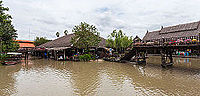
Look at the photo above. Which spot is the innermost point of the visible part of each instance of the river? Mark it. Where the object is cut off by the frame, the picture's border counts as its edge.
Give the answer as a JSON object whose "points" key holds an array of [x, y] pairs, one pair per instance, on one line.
{"points": [[44, 77]]}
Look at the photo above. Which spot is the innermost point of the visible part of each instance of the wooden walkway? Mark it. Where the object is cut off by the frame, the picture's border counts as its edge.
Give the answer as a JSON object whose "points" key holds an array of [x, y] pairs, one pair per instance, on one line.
{"points": [[166, 52]]}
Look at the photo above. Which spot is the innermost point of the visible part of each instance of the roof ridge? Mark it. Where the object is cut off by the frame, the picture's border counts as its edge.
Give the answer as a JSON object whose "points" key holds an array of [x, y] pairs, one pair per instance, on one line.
{"points": [[154, 31], [181, 24]]}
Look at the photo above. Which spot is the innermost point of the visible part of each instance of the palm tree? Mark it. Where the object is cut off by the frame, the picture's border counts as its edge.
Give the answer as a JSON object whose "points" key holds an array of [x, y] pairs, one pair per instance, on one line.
{"points": [[65, 32], [57, 34]]}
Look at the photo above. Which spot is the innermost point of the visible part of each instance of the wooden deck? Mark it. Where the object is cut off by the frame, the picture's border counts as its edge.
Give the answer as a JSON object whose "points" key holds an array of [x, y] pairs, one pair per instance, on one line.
{"points": [[141, 51]]}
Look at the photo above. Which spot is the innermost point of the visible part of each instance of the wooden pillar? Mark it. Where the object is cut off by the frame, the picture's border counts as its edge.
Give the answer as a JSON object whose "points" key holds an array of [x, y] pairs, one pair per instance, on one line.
{"points": [[64, 54], [170, 56], [55, 55], [137, 56], [144, 55], [165, 54], [140, 55], [163, 60]]}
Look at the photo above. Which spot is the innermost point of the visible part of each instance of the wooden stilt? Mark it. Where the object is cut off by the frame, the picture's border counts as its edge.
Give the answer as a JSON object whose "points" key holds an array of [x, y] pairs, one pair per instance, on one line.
{"points": [[165, 55], [170, 57], [140, 57], [137, 56], [64, 54]]}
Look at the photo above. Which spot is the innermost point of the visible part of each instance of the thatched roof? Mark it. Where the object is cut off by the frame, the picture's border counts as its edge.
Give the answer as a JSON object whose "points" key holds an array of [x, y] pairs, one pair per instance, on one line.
{"points": [[177, 31], [152, 35], [102, 43], [137, 38], [180, 27], [64, 41]]}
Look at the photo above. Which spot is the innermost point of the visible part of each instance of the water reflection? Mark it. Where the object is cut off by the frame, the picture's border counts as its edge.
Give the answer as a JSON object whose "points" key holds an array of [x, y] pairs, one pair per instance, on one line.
{"points": [[7, 79], [85, 78], [57, 78]]}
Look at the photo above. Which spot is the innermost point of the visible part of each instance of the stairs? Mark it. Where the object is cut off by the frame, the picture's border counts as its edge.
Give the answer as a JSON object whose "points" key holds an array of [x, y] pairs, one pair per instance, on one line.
{"points": [[129, 55]]}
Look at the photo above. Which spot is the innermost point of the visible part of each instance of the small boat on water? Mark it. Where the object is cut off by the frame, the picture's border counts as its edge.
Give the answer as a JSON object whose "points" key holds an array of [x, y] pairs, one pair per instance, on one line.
{"points": [[12, 59], [10, 63]]}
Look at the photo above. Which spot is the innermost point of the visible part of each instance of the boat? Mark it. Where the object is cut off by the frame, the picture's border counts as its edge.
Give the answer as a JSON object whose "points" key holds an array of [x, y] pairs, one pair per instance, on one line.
{"points": [[12, 59], [10, 63]]}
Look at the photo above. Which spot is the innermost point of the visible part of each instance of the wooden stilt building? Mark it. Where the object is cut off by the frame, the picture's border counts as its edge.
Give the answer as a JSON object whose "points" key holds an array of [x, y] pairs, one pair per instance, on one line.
{"points": [[168, 41], [62, 49]]}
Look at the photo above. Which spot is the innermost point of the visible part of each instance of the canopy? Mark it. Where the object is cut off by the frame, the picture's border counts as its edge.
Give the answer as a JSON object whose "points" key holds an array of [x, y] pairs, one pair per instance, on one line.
{"points": [[14, 53], [58, 48]]}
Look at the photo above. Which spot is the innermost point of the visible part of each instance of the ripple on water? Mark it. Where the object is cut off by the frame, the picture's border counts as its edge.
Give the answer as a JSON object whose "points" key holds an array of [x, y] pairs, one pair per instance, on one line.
{"points": [[58, 78]]}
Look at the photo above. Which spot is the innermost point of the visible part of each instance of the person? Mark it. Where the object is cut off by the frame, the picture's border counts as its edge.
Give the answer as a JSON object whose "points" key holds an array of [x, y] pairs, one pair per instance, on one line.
{"points": [[110, 51], [61, 57], [66, 58], [45, 55], [26, 55], [97, 57]]}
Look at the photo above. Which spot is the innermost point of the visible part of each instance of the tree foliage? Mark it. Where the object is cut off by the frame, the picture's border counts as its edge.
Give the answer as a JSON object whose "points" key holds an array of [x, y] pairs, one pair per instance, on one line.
{"points": [[7, 32], [118, 40], [85, 36], [40, 40]]}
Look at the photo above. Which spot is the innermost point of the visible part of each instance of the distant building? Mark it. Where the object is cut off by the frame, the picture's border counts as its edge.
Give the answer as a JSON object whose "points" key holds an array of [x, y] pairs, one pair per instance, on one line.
{"points": [[137, 39], [25, 44]]}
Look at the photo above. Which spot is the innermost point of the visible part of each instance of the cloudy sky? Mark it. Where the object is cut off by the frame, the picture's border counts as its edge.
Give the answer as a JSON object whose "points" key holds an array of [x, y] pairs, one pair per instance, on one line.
{"points": [[134, 17]]}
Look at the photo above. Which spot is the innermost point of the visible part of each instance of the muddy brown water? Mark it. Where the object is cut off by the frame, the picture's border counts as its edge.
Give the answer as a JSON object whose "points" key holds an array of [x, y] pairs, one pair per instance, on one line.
{"points": [[63, 78]]}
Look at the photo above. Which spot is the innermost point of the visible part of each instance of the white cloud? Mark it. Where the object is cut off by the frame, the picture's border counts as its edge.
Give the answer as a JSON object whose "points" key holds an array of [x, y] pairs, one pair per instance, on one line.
{"points": [[134, 17]]}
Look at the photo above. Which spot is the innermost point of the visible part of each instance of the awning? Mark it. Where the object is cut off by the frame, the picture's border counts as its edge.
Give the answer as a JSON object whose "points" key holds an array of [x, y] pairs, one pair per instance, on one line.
{"points": [[14, 53], [58, 48]]}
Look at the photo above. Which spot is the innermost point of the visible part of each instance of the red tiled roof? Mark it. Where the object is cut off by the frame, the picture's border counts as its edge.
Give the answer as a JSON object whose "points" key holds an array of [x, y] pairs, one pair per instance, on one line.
{"points": [[24, 41], [26, 45]]}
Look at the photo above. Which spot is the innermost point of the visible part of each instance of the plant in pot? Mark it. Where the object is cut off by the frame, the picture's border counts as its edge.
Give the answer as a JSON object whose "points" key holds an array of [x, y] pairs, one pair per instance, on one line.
{"points": [[180, 42], [156, 43], [172, 42], [188, 41], [194, 41]]}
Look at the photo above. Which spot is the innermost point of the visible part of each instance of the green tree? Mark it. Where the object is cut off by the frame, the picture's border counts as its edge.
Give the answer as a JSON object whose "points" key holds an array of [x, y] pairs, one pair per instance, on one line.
{"points": [[57, 34], [65, 32], [126, 42], [40, 40], [85, 36], [110, 43], [7, 32], [118, 40]]}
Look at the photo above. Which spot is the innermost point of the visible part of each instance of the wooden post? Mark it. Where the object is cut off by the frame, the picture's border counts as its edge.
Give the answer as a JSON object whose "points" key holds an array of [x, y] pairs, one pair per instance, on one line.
{"points": [[64, 54], [55, 55], [136, 56], [144, 56], [163, 60], [165, 54], [170, 57]]}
